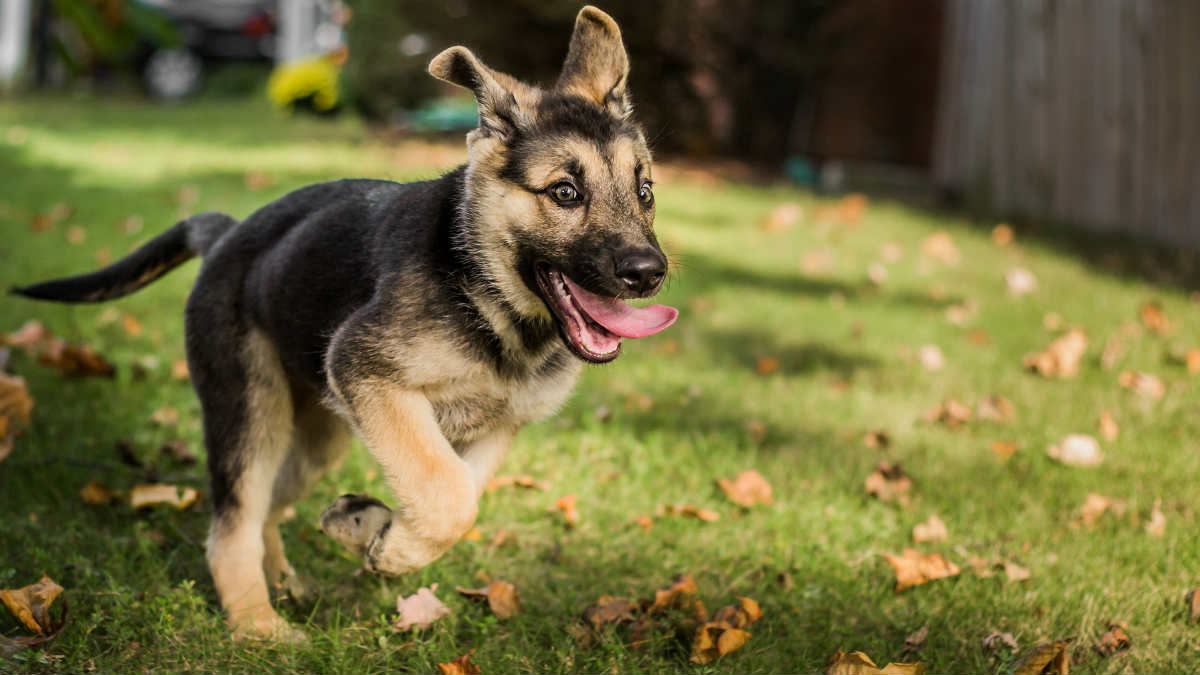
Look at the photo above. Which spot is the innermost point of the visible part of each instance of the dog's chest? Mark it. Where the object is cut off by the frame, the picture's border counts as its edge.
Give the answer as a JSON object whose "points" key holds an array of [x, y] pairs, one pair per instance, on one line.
{"points": [[468, 408]]}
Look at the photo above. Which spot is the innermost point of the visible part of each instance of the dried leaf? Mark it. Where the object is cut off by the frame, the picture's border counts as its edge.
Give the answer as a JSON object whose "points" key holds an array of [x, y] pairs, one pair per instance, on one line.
{"points": [[933, 529], [1143, 384], [501, 596], [1020, 281], [997, 639], [689, 510], [1077, 450], [877, 274], [1154, 318], [877, 439], [1157, 527], [525, 481], [1115, 641], [782, 217], [165, 416], [460, 666], [740, 615], [473, 534], [1062, 357], [1096, 505], [940, 246], [97, 494], [747, 489], [1015, 572], [815, 262], [765, 365], [858, 663], [179, 370], [1004, 450], [178, 450], [931, 357], [149, 495], [1192, 358], [1193, 602], [646, 522], [913, 568], [69, 359], [419, 610], [995, 409], [566, 505], [951, 412], [16, 407], [716, 639], [684, 585], [1002, 234], [889, 483], [131, 325], [1109, 428], [609, 610], [1050, 658], [915, 641], [31, 604], [76, 235]]}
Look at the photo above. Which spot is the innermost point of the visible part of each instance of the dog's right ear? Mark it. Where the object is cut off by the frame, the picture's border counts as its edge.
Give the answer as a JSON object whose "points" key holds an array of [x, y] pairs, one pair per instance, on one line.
{"points": [[496, 93]]}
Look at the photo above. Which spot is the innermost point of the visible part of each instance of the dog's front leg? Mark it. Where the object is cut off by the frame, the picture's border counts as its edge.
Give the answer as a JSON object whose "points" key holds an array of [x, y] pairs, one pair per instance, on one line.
{"points": [[435, 489]]}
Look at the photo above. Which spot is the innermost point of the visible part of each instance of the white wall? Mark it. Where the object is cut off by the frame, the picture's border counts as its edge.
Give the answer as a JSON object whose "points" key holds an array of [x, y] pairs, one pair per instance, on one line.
{"points": [[15, 19]]}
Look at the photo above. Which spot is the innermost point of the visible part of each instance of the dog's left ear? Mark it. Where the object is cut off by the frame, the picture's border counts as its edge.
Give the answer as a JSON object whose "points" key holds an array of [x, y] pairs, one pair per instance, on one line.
{"points": [[597, 67], [497, 94]]}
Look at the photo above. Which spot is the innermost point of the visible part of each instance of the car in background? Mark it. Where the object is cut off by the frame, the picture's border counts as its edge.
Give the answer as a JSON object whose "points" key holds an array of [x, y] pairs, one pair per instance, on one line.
{"points": [[210, 32]]}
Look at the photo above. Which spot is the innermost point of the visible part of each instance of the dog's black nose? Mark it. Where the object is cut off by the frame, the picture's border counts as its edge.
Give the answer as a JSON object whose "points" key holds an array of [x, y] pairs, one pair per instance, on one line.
{"points": [[642, 271]]}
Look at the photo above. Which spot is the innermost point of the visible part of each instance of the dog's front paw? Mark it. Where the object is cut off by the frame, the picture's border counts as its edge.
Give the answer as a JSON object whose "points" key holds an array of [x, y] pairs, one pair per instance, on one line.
{"points": [[355, 521]]}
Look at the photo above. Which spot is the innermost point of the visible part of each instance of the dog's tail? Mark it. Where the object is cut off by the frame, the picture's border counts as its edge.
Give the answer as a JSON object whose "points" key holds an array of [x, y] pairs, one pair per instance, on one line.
{"points": [[186, 240]]}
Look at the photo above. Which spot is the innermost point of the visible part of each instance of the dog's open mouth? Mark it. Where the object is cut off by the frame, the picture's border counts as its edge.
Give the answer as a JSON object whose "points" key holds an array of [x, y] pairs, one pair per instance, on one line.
{"points": [[593, 325]]}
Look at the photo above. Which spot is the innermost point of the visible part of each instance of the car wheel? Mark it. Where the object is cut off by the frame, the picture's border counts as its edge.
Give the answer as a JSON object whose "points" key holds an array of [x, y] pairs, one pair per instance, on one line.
{"points": [[173, 73]]}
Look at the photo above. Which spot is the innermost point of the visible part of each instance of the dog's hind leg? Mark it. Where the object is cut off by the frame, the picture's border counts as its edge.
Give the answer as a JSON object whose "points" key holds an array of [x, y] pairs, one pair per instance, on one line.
{"points": [[319, 442], [248, 420]]}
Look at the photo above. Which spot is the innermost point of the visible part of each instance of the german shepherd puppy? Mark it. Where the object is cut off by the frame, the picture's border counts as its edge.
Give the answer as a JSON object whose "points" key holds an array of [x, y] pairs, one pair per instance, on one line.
{"points": [[431, 319]]}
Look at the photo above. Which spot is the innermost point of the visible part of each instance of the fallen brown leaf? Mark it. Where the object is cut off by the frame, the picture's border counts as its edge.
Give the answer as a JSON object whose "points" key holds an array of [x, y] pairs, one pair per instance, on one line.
{"points": [[765, 365], [889, 483], [149, 495], [858, 663], [97, 494], [915, 641], [714, 640], [782, 217], [76, 235], [1115, 641], [525, 481], [746, 612], [689, 510], [179, 451], [419, 610], [165, 416], [1004, 450], [1020, 281], [877, 439], [933, 529], [995, 408], [951, 412], [1143, 384], [257, 180], [499, 539], [646, 522], [1049, 658], [69, 359], [501, 597], [566, 505], [877, 273], [1154, 318], [931, 357], [1096, 505], [473, 534], [179, 370], [814, 262], [1109, 428], [1157, 526], [16, 407], [1192, 358], [1002, 234], [996, 640], [460, 666], [940, 246], [747, 489], [131, 325], [31, 605], [609, 610], [913, 568], [1193, 602], [1077, 450], [1062, 357], [1015, 572], [684, 585]]}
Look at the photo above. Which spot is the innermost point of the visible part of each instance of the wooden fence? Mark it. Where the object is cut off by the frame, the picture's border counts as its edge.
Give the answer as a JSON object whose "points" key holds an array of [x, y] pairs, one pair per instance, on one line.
{"points": [[1085, 112]]}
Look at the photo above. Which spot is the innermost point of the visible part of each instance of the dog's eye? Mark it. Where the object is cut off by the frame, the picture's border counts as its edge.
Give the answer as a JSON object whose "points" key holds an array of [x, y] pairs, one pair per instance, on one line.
{"points": [[564, 193], [646, 194]]}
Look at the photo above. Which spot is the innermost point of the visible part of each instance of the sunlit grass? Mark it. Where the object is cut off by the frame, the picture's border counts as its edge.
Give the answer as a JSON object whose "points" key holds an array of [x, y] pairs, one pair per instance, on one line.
{"points": [[656, 427]]}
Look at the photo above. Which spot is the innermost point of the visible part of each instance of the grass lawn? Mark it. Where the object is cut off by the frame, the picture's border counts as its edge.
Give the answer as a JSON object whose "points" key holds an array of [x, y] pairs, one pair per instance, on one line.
{"points": [[784, 356]]}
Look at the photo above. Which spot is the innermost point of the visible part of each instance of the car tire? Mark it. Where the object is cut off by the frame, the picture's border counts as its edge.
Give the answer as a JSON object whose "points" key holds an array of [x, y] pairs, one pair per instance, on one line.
{"points": [[173, 73]]}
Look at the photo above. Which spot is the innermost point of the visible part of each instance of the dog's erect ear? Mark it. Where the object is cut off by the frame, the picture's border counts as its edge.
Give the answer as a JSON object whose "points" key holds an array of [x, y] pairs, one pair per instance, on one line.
{"points": [[496, 93], [597, 67]]}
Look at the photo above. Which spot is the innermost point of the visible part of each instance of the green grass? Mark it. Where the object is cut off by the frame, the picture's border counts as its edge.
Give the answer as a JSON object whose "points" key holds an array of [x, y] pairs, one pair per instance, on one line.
{"points": [[140, 596]]}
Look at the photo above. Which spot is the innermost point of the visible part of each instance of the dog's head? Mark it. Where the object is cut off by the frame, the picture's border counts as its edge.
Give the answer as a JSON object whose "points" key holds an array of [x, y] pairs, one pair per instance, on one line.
{"points": [[559, 192]]}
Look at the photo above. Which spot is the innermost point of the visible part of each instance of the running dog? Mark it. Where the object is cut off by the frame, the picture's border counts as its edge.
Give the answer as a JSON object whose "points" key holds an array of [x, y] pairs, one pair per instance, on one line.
{"points": [[431, 319]]}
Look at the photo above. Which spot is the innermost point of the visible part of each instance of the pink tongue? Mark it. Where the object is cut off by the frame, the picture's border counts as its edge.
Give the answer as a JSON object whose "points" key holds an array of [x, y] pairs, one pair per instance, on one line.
{"points": [[621, 318]]}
